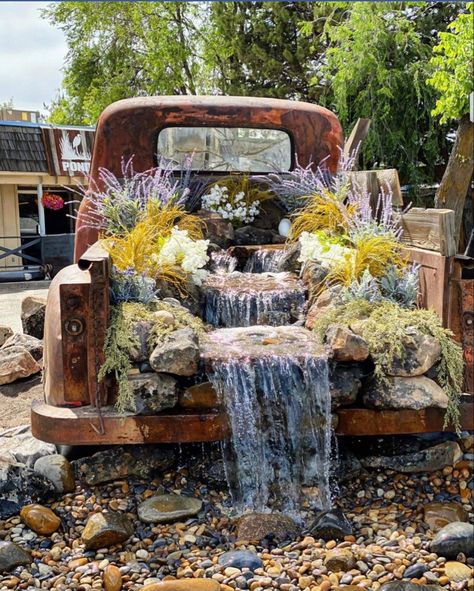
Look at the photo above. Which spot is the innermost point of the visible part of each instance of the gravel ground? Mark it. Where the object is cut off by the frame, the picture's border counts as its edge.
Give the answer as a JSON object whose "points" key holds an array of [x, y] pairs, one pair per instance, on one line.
{"points": [[385, 509]]}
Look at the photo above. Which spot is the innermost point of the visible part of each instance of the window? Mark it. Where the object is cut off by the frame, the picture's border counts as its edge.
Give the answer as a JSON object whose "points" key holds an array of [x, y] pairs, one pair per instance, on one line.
{"points": [[227, 149]]}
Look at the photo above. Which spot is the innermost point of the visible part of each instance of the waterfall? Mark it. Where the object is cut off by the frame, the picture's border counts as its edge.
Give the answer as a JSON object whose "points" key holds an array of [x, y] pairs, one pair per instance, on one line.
{"points": [[222, 262], [275, 388], [265, 260], [246, 299]]}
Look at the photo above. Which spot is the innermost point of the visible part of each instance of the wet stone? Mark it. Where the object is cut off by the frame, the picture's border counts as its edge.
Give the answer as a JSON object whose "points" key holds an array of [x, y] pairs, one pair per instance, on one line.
{"points": [[453, 539], [331, 525], [167, 508], [458, 572], [405, 586], [415, 571], [178, 354], [106, 529], [40, 519], [240, 559], [8, 508], [258, 526], [437, 515], [184, 585], [153, 392], [199, 396], [112, 578], [345, 345], [339, 559], [12, 556], [405, 393]]}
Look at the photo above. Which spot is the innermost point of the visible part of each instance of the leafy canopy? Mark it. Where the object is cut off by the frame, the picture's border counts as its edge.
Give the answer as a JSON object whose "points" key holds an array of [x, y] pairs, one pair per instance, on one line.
{"points": [[453, 63]]}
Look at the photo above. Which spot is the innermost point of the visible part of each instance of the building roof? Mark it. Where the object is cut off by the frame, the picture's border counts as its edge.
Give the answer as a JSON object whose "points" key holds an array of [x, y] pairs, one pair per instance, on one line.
{"points": [[22, 149]]}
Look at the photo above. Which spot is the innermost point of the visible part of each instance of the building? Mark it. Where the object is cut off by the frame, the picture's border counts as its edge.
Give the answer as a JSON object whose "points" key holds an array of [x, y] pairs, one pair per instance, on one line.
{"points": [[41, 166]]}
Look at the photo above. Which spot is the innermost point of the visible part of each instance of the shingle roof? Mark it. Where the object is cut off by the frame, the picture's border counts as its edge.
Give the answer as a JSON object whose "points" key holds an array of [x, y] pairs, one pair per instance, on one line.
{"points": [[22, 149]]}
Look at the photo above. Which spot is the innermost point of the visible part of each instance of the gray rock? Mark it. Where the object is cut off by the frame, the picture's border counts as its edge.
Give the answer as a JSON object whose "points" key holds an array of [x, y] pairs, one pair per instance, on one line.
{"points": [[140, 330], [32, 315], [119, 462], [5, 333], [58, 470], [345, 345], [426, 460], [106, 529], [33, 345], [168, 508], [178, 355], [17, 445], [8, 509], [12, 556], [250, 235], [405, 393], [344, 385], [415, 571], [22, 485], [331, 525], [218, 230], [16, 363], [153, 392], [421, 353], [240, 559], [454, 538]]}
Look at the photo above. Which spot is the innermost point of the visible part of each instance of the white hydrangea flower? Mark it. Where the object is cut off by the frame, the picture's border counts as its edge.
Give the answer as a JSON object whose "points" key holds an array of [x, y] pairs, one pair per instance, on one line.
{"points": [[190, 255], [312, 249], [218, 200]]}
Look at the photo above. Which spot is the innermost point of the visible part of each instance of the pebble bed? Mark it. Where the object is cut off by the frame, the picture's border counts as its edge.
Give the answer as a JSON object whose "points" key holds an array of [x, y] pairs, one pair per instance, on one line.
{"points": [[390, 540]]}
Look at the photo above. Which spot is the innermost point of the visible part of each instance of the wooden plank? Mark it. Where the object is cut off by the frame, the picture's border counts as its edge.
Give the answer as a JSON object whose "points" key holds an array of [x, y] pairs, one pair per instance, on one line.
{"points": [[431, 229], [363, 421], [434, 274], [390, 184], [356, 137], [80, 426], [374, 182]]}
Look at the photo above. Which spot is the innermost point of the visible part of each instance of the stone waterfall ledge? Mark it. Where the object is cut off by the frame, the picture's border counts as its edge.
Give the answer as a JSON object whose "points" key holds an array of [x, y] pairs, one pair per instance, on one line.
{"points": [[260, 342]]}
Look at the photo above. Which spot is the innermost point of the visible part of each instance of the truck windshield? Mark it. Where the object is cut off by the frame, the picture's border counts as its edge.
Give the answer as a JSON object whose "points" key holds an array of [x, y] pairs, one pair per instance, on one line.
{"points": [[227, 149]]}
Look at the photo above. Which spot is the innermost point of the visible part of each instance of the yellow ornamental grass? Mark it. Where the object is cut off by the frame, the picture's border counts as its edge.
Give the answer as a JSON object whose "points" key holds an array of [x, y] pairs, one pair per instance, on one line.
{"points": [[323, 212], [372, 253]]}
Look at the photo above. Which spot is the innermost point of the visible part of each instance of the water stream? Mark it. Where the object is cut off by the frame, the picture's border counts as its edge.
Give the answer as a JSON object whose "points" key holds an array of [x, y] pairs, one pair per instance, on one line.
{"points": [[265, 260], [275, 388]]}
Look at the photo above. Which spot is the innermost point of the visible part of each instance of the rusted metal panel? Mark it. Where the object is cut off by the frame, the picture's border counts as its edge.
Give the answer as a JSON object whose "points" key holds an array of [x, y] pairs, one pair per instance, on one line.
{"points": [[467, 324], [130, 128], [362, 421], [79, 426]]}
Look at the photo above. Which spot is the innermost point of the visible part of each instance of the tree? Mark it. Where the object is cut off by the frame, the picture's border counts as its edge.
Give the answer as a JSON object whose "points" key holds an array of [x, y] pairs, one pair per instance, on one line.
{"points": [[376, 66], [453, 62], [118, 50]]}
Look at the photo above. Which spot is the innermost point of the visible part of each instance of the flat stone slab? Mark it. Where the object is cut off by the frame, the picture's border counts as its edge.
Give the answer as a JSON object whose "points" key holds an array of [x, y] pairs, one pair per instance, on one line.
{"points": [[253, 283], [260, 342]]}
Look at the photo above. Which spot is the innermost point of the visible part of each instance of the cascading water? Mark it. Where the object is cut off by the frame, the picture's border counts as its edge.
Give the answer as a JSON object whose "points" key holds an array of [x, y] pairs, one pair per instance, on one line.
{"points": [[275, 388], [247, 299], [223, 262], [265, 260]]}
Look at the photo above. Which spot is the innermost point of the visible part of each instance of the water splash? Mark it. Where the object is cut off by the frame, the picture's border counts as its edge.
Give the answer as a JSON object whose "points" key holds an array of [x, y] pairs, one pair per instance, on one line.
{"points": [[247, 299], [223, 262], [265, 260], [275, 387]]}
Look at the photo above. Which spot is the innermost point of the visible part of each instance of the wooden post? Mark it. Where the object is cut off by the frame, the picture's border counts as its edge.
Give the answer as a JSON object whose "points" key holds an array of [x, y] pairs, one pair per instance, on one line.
{"points": [[431, 229]]}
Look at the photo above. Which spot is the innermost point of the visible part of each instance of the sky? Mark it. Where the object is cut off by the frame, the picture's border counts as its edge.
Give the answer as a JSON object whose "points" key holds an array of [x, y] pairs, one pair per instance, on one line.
{"points": [[32, 53]]}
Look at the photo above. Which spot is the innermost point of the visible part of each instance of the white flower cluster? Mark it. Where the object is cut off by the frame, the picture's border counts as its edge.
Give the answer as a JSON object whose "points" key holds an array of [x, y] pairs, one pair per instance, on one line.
{"points": [[190, 255], [314, 249], [218, 200]]}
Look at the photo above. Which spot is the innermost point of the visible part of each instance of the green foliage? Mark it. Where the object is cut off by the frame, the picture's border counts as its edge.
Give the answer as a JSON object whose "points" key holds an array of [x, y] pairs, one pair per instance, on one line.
{"points": [[378, 64], [385, 328], [453, 63], [120, 339]]}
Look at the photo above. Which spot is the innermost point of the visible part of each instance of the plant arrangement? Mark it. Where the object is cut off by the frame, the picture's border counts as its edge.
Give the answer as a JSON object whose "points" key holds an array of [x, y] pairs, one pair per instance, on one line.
{"points": [[52, 201], [386, 327], [236, 199], [120, 339]]}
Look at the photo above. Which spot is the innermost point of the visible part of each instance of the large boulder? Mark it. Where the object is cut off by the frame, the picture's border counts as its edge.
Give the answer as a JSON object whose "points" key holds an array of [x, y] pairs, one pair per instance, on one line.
{"points": [[33, 345], [178, 354], [18, 445], [16, 363], [331, 525], [32, 315], [22, 485], [426, 460], [405, 393], [345, 345], [5, 333], [218, 230], [421, 353], [153, 392], [455, 538], [12, 556], [120, 462], [58, 470]]}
